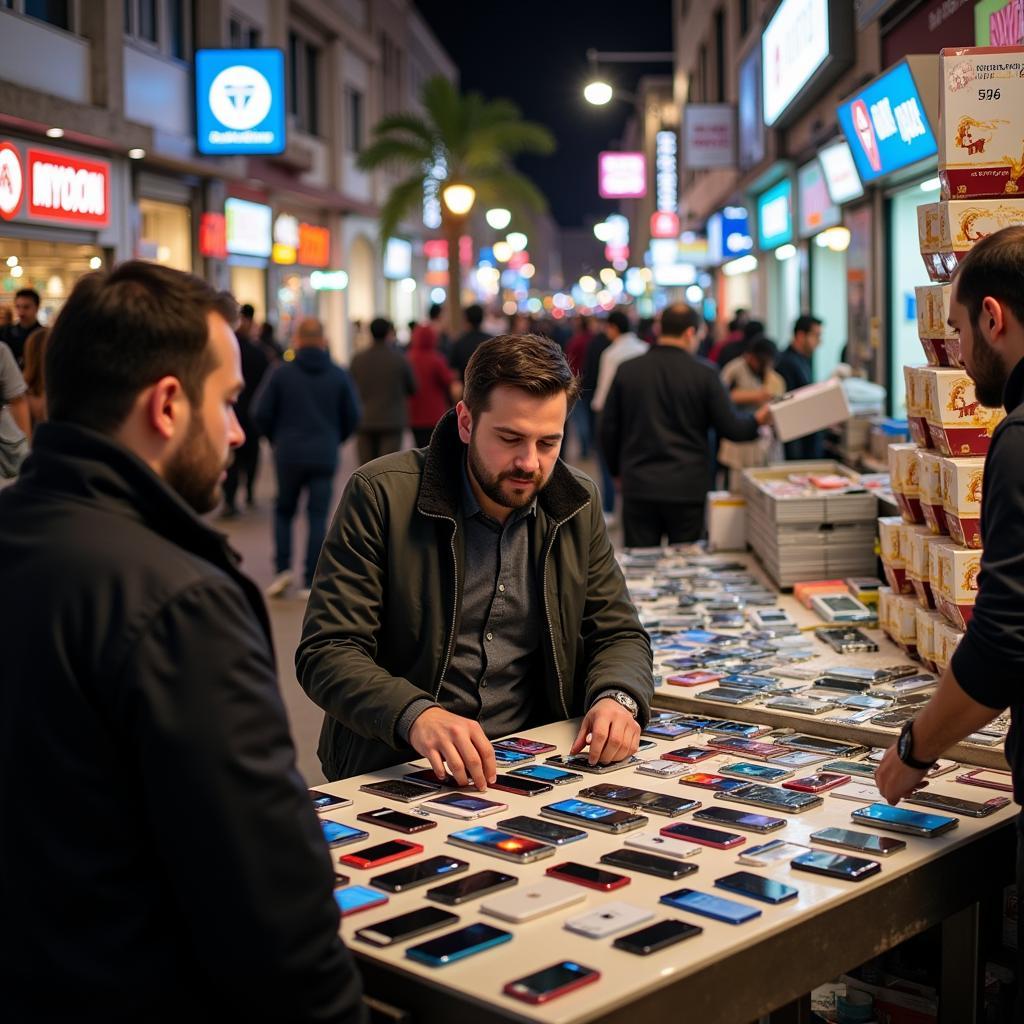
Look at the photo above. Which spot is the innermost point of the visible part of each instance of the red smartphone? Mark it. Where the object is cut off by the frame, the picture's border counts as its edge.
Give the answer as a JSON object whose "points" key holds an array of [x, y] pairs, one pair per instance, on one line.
{"points": [[551, 982], [818, 783], [715, 837], [592, 878], [525, 746], [690, 755], [698, 678], [382, 853]]}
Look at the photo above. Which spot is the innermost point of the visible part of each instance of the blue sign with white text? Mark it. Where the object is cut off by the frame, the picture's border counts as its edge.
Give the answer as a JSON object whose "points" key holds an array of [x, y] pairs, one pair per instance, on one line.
{"points": [[886, 125], [729, 234], [775, 216], [240, 101]]}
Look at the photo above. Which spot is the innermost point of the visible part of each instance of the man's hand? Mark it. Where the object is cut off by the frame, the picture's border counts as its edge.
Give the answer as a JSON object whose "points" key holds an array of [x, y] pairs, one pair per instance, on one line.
{"points": [[442, 737], [763, 415], [894, 779], [610, 730]]}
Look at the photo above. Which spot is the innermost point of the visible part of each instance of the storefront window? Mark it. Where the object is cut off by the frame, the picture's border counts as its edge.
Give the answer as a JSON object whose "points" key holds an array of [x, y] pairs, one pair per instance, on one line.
{"points": [[828, 303], [52, 268], [165, 234]]}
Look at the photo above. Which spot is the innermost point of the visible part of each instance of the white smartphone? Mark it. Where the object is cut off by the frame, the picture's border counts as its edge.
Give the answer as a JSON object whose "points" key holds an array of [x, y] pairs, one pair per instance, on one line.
{"points": [[771, 853], [860, 792], [463, 805], [529, 901], [663, 769], [608, 919], [665, 846]]}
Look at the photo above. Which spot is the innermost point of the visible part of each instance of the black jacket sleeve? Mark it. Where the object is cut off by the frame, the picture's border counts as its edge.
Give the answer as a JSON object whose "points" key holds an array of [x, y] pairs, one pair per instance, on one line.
{"points": [[232, 823], [722, 414], [610, 428]]}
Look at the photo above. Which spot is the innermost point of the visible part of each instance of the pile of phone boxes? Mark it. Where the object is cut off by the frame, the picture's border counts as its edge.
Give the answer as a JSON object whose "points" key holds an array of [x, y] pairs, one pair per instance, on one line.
{"points": [[800, 538]]}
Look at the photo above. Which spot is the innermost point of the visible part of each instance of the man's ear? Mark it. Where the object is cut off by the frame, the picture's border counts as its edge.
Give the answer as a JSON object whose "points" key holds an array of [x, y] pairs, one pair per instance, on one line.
{"points": [[166, 408], [465, 421]]}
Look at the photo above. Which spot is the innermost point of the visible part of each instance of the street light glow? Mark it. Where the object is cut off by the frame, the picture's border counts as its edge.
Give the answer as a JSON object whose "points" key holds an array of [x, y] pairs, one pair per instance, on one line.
{"points": [[502, 251], [498, 218], [459, 198], [598, 93], [588, 284], [603, 231], [517, 240]]}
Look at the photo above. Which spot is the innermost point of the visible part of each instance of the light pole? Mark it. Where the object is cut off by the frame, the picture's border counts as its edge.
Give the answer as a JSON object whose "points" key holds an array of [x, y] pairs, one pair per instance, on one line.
{"points": [[458, 201], [598, 91]]}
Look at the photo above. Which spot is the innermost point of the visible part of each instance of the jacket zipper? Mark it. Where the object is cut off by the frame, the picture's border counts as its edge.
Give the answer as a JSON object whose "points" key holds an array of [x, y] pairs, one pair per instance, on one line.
{"points": [[455, 602], [547, 610]]}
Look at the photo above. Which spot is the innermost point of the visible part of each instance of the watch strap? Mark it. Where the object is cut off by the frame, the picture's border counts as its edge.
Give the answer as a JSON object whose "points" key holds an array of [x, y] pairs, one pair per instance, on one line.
{"points": [[905, 750]]}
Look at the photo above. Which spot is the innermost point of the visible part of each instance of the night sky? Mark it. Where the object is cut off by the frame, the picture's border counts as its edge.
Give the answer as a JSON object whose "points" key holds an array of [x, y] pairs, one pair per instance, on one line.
{"points": [[534, 53]]}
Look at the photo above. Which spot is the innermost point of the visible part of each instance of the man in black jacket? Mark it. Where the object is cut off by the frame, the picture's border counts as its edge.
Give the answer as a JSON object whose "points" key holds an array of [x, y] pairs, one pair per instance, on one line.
{"points": [[654, 430], [160, 859]]}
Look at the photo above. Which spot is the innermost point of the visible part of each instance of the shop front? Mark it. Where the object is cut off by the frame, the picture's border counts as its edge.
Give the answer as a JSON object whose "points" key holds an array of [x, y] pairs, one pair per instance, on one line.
{"points": [[164, 231], [300, 249], [61, 216], [402, 301], [730, 249], [249, 242], [780, 259]]}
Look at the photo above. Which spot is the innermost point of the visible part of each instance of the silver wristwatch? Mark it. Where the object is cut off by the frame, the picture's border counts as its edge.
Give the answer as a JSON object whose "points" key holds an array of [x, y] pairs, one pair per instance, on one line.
{"points": [[624, 699]]}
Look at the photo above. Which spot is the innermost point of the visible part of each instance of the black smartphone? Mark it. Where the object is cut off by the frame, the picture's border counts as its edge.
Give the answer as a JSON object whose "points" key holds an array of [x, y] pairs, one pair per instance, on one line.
{"points": [[746, 883], [648, 864], [862, 842], [957, 805], [396, 820], [545, 831], [327, 801], [399, 789], [639, 799], [520, 786], [656, 936], [740, 819], [462, 890], [406, 926], [836, 865], [403, 879]]}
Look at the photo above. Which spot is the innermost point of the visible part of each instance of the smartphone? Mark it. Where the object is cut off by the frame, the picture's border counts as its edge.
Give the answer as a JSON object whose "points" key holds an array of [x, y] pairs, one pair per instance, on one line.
{"points": [[400, 789], [741, 681], [656, 937], [501, 844], [909, 684], [462, 890], [728, 695], [833, 680], [551, 982], [524, 745], [759, 795], [407, 926], [650, 863], [544, 896], [735, 730], [773, 852], [861, 769], [752, 748], [988, 778], [957, 805], [769, 618], [862, 842], [817, 745], [580, 812], [457, 945], [424, 871], [337, 834], [847, 641], [580, 762], [545, 773], [754, 772], [799, 705], [352, 899], [898, 819], [396, 820], [707, 905], [426, 777], [656, 843], [463, 805], [520, 786], [818, 783], [863, 701], [503, 755], [841, 608], [382, 853], [743, 820], [608, 919], [640, 799], [798, 759], [662, 768], [709, 780], [698, 677], [590, 877], [544, 831], [836, 865], [713, 837], [746, 883], [667, 730], [689, 755], [327, 801]]}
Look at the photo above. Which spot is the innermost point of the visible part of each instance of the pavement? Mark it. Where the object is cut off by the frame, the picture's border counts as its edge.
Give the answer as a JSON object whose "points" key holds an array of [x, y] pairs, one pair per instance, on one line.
{"points": [[251, 534]]}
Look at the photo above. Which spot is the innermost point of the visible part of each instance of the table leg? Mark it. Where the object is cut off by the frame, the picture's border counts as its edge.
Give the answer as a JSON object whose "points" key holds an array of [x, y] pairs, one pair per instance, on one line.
{"points": [[962, 987]]}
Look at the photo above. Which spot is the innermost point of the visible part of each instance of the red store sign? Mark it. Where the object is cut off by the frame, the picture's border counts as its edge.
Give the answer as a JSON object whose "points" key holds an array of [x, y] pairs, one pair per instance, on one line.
{"points": [[213, 236], [314, 246], [68, 189]]}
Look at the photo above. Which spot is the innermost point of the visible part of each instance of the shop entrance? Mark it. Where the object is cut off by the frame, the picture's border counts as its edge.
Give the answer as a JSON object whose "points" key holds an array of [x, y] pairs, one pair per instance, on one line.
{"points": [[52, 268]]}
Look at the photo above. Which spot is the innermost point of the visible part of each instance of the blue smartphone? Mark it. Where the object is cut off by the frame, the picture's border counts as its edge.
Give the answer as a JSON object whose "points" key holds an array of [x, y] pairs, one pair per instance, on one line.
{"points": [[703, 903], [353, 898], [668, 730], [899, 819], [503, 756], [337, 834], [545, 773], [457, 945]]}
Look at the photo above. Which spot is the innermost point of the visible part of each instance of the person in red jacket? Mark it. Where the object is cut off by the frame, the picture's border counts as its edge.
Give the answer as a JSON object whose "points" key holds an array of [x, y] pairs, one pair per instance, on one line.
{"points": [[433, 384]]}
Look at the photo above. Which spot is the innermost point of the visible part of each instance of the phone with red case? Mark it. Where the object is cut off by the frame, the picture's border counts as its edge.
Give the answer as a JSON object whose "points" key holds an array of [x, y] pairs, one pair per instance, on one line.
{"points": [[592, 878], [819, 783], [987, 778], [551, 982], [697, 678], [713, 837], [382, 853]]}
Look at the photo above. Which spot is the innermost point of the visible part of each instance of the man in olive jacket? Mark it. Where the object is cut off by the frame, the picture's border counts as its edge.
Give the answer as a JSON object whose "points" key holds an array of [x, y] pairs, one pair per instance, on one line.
{"points": [[469, 590]]}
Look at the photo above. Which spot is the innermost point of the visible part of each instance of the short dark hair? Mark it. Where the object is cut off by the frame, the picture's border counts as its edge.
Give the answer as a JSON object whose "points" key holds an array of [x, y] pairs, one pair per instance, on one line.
{"points": [[28, 293], [380, 328], [763, 347], [805, 323], [121, 331], [474, 315], [619, 320], [751, 329], [993, 268], [435, 310], [247, 311], [529, 362], [677, 319]]}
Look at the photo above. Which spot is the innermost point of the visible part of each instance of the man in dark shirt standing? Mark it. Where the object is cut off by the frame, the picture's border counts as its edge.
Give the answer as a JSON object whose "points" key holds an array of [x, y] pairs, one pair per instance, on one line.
{"points": [[796, 368], [985, 674], [466, 343], [26, 309], [654, 431]]}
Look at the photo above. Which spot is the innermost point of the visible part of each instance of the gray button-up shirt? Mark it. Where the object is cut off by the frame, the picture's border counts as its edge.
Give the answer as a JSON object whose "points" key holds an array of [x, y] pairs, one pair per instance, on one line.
{"points": [[494, 670]]}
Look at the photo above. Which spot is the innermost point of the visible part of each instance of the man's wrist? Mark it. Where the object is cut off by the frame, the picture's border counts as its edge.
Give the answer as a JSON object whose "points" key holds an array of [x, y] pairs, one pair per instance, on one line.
{"points": [[624, 699], [910, 753], [408, 717]]}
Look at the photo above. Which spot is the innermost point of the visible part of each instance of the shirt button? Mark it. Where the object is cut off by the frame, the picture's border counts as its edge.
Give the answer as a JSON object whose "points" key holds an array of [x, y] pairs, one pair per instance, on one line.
{"points": [[490, 636], [501, 587], [483, 685]]}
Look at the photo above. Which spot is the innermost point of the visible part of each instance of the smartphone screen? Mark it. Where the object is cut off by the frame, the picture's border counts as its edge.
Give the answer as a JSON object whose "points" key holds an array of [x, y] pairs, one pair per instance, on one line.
{"points": [[644, 799], [505, 756], [648, 863], [465, 802], [656, 937], [709, 780], [544, 773], [474, 938], [848, 839], [746, 883], [595, 878], [815, 743], [337, 834], [707, 905], [704, 836], [523, 787], [689, 755], [401, 789], [405, 926], [545, 831], [760, 772], [592, 813], [419, 874], [382, 851], [387, 818], [524, 745], [494, 839], [551, 982], [464, 889], [353, 898], [917, 821], [667, 730], [325, 801], [740, 819], [836, 865]]}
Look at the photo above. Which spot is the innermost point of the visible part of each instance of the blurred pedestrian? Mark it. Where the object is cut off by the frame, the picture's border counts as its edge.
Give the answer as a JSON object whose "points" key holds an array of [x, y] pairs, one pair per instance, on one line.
{"points": [[35, 374], [246, 461], [307, 409], [139, 689], [737, 346], [588, 385], [433, 385], [15, 421], [435, 325], [654, 432], [385, 381], [26, 312], [267, 341], [796, 367], [467, 342], [576, 354]]}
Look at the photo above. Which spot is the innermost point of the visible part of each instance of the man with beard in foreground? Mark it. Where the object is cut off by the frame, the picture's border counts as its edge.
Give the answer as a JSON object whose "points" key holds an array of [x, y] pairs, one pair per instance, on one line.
{"points": [[160, 859], [986, 673], [469, 590]]}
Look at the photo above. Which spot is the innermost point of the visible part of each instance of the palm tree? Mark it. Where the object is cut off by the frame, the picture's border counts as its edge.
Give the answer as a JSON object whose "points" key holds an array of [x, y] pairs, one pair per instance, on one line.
{"points": [[474, 139]]}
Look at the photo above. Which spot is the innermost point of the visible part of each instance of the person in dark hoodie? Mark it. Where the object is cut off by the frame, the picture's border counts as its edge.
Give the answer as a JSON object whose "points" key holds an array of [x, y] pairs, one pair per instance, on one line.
{"points": [[433, 384], [308, 409]]}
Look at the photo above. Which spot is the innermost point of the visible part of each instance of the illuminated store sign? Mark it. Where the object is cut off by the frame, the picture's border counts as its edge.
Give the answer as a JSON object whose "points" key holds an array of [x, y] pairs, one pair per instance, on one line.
{"points": [[240, 101]]}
